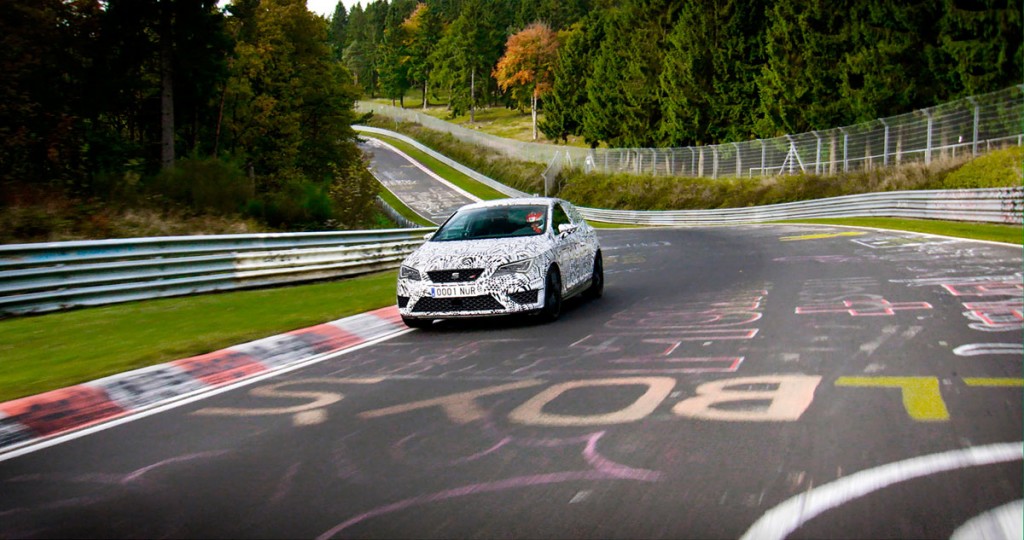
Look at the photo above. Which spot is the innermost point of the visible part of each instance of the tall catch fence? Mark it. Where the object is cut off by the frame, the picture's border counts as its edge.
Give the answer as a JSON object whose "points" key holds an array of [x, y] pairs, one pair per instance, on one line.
{"points": [[967, 127]]}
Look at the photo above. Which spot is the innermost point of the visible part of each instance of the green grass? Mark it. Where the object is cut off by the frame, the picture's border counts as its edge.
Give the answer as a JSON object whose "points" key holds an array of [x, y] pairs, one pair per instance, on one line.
{"points": [[1009, 234], [47, 352]]}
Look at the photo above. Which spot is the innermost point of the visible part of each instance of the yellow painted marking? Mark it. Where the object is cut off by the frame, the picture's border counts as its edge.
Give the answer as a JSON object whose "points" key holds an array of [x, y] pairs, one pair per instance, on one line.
{"points": [[820, 236], [921, 396], [995, 381]]}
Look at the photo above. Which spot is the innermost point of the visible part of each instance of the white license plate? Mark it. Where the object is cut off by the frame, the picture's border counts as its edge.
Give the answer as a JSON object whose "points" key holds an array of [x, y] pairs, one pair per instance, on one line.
{"points": [[454, 291]]}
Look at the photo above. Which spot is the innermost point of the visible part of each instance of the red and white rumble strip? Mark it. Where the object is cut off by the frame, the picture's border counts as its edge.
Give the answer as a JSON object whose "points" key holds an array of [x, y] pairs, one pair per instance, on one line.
{"points": [[27, 420]]}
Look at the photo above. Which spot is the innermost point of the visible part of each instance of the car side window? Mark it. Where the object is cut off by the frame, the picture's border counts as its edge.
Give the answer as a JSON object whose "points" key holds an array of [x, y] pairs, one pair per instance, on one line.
{"points": [[559, 217]]}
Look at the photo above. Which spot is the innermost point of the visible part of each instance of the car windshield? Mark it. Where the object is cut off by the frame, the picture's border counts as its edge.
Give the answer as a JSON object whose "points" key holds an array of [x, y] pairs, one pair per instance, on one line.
{"points": [[494, 222]]}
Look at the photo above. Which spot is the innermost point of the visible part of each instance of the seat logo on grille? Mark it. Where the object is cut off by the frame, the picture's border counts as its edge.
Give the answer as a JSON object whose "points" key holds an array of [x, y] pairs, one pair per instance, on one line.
{"points": [[455, 275]]}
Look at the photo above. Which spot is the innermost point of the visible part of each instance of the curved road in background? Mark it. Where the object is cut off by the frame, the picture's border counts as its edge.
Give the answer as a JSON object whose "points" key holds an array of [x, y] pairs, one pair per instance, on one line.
{"points": [[770, 381], [425, 193]]}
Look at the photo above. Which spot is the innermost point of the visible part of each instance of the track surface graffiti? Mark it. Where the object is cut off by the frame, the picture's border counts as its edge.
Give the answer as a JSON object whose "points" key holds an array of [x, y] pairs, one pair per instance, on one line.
{"points": [[678, 412]]}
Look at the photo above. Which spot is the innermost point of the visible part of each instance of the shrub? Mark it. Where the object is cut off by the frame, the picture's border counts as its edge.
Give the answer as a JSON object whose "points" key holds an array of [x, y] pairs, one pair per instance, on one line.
{"points": [[1001, 168], [204, 185]]}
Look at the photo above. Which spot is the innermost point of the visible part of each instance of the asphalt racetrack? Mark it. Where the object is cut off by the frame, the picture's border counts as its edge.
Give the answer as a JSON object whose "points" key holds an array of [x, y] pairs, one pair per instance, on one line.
{"points": [[756, 381]]}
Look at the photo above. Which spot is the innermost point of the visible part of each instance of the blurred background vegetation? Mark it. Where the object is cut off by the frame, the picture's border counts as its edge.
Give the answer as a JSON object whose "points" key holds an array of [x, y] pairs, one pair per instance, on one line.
{"points": [[148, 117]]}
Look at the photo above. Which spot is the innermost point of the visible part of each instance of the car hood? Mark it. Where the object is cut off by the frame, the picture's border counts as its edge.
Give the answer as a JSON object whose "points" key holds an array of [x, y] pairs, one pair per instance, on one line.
{"points": [[489, 253]]}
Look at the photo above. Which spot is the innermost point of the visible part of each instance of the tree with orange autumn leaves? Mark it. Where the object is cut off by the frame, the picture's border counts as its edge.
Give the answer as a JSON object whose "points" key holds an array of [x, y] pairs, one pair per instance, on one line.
{"points": [[529, 64]]}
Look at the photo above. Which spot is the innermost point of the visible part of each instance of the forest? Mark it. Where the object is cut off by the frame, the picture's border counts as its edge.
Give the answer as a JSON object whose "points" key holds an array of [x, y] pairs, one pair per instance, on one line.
{"points": [[246, 106]]}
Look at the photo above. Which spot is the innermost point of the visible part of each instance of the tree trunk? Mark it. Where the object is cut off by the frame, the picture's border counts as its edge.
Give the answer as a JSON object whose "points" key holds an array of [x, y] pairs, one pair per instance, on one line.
{"points": [[533, 111], [166, 87], [424, 94], [472, 96]]}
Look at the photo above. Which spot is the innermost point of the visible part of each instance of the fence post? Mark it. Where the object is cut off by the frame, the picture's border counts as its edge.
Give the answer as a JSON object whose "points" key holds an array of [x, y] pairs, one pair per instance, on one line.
{"points": [[974, 137], [928, 143], [700, 164], [714, 162], [739, 162], [763, 150], [846, 145], [817, 152], [885, 144]]}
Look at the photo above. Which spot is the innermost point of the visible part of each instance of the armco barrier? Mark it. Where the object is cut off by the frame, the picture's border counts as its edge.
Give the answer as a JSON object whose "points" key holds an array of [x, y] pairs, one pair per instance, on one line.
{"points": [[43, 277], [997, 205]]}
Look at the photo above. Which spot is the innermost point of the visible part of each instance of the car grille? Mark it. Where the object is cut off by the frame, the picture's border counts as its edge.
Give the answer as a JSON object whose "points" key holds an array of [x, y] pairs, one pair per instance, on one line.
{"points": [[461, 275], [448, 305], [524, 297]]}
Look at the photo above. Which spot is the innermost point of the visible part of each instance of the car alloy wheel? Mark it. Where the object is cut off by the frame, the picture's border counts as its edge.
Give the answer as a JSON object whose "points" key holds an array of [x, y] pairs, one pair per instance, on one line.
{"points": [[552, 296]]}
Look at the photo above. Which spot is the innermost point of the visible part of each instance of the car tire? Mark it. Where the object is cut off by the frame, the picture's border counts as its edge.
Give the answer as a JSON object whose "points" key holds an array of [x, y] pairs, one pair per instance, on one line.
{"points": [[417, 323], [596, 289], [552, 296]]}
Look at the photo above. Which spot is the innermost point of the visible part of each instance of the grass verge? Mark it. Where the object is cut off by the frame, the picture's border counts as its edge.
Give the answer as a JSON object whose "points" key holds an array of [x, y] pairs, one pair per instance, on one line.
{"points": [[1008, 234], [53, 351]]}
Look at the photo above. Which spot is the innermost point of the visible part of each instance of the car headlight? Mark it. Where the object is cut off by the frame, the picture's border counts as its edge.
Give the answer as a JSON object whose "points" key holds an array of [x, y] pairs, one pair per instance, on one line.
{"points": [[518, 267], [410, 273]]}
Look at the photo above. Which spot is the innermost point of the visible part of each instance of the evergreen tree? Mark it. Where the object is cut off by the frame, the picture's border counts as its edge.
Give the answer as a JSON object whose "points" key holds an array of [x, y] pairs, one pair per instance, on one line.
{"points": [[806, 42], [710, 76], [422, 30], [624, 97], [563, 107], [338, 34], [980, 46]]}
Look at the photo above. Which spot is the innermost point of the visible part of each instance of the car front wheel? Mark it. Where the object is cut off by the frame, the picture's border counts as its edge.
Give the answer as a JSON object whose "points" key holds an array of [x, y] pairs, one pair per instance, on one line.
{"points": [[552, 296], [596, 279]]}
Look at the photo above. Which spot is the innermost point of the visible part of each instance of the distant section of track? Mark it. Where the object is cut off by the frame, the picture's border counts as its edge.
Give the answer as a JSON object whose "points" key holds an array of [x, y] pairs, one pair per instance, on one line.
{"points": [[800, 381], [424, 192]]}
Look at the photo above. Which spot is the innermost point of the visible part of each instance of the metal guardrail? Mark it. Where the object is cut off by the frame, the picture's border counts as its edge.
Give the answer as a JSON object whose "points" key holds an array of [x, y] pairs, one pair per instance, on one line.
{"points": [[36, 278], [997, 205]]}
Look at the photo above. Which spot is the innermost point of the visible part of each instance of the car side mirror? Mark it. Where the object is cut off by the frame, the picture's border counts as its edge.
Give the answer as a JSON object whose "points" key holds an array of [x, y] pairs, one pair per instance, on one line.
{"points": [[566, 228]]}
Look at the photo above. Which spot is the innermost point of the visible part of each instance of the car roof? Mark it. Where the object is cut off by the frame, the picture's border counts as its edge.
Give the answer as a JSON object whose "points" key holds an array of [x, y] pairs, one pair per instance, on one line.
{"points": [[548, 201]]}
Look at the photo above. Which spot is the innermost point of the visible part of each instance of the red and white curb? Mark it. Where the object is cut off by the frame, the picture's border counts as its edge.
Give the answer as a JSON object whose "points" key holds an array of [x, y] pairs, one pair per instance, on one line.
{"points": [[28, 420]]}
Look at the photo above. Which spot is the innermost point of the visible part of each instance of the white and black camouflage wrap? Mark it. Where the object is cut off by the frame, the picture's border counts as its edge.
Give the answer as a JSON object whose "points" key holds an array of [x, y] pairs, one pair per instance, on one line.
{"points": [[572, 253]]}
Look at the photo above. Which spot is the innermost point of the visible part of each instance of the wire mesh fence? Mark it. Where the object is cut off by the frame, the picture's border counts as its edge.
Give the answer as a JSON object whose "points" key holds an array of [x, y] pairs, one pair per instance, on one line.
{"points": [[961, 128]]}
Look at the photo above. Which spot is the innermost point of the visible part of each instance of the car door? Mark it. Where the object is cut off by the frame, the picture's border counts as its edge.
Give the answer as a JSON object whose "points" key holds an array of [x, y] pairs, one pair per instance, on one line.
{"points": [[576, 269], [565, 252]]}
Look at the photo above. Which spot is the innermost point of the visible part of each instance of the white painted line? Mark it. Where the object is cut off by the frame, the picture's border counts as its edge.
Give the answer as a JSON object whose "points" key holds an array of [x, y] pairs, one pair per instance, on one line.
{"points": [[185, 399], [787, 517], [1003, 523]]}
